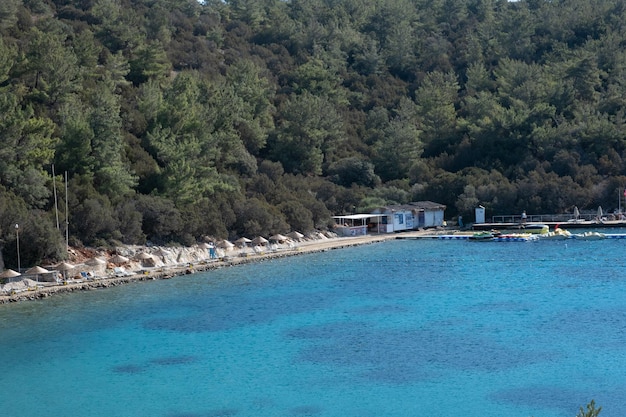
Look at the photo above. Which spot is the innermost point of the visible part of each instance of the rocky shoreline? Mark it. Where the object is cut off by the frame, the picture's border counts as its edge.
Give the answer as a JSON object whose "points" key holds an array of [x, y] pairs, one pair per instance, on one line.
{"points": [[168, 272]]}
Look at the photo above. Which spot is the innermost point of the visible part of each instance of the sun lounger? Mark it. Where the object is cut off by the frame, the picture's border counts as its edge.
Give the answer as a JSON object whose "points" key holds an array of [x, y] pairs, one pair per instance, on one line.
{"points": [[121, 272]]}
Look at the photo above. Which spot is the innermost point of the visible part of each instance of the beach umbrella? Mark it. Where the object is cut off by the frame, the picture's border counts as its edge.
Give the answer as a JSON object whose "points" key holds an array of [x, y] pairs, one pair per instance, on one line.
{"points": [[96, 262], [37, 270], [278, 238], [295, 235], [576, 212], [225, 244], [260, 240], [204, 245], [146, 259], [600, 214], [119, 259], [242, 241], [64, 266], [162, 252], [9, 273]]}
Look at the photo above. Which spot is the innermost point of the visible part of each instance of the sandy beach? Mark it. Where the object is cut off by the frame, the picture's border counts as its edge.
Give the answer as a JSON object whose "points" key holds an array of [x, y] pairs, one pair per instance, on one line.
{"points": [[35, 292]]}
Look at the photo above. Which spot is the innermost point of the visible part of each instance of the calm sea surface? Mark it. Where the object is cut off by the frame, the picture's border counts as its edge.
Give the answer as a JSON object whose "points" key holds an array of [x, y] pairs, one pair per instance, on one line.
{"points": [[402, 328]]}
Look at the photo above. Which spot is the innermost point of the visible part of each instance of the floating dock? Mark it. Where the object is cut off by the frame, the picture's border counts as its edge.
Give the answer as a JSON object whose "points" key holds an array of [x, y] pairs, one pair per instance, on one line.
{"points": [[514, 238], [580, 224]]}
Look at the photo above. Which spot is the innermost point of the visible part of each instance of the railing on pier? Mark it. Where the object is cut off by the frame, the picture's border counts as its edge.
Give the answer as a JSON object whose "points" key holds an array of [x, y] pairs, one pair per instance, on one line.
{"points": [[544, 218]]}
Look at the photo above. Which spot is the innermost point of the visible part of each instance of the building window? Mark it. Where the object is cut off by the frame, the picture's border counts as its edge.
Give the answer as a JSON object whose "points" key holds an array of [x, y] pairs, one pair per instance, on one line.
{"points": [[400, 218]]}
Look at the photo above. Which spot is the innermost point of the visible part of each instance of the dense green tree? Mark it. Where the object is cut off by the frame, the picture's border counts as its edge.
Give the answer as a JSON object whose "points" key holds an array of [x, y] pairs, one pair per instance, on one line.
{"points": [[400, 145], [436, 99], [50, 67], [353, 170], [310, 129], [8, 13], [177, 119], [112, 174], [27, 146]]}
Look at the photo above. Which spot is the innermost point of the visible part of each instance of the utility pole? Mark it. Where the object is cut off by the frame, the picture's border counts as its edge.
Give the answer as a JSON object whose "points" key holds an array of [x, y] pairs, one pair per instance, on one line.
{"points": [[17, 236], [67, 222]]}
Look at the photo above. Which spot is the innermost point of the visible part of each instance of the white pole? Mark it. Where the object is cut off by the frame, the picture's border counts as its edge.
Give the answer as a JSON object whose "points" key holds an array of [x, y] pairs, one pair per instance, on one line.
{"points": [[17, 236], [56, 206], [67, 223]]}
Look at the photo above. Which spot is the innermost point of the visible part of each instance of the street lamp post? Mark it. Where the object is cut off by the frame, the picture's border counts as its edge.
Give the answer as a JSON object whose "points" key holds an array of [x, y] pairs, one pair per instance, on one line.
{"points": [[17, 235]]}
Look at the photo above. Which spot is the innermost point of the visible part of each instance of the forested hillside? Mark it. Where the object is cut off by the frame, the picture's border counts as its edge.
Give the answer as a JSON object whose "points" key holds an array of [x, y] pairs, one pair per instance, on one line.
{"points": [[174, 119]]}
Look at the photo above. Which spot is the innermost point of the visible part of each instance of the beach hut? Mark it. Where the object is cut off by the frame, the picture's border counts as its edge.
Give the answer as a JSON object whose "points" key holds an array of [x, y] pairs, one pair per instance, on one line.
{"points": [[411, 216]]}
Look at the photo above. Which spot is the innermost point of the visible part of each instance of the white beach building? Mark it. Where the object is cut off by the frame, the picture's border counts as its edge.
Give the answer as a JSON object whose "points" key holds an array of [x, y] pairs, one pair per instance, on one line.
{"points": [[411, 216]]}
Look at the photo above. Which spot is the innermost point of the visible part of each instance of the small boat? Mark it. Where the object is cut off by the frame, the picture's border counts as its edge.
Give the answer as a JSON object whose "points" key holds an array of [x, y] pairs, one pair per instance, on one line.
{"points": [[482, 236], [589, 236], [516, 237], [536, 228], [558, 234]]}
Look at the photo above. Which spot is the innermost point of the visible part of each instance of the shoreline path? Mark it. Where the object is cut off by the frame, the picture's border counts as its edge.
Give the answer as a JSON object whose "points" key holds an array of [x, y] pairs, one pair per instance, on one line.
{"points": [[166, 272]]}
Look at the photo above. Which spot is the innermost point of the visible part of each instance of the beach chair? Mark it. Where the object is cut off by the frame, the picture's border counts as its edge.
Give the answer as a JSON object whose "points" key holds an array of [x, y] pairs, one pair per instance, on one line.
{"points": [[121, 272]]}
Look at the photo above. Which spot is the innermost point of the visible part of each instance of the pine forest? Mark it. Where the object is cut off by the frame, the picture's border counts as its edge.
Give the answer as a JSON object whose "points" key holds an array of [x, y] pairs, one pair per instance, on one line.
{"points": [[167, 121]]}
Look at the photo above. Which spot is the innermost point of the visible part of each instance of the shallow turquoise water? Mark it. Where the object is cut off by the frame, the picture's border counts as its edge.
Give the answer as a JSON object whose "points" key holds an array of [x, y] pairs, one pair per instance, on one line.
{"points": [[402, 328]]}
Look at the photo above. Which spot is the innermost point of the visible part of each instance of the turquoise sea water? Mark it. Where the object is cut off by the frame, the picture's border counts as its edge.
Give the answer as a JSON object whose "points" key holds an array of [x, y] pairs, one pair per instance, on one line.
{"points": [[401, 328]]}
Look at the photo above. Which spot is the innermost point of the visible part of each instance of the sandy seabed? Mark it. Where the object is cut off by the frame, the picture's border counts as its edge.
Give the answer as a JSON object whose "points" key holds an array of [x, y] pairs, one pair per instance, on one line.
{"points": [[171, 271]]}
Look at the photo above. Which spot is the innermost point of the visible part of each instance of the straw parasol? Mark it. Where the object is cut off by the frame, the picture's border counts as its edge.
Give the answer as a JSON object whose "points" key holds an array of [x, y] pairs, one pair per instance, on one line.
{"points": [[37, 270], [242, 241], [162, 252], [9, 273], [295, 235], [204, 245], [146, 259], [118, 259], [260, 240], [225, 244], [278, 238], [96, 262], [64, 266]]}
